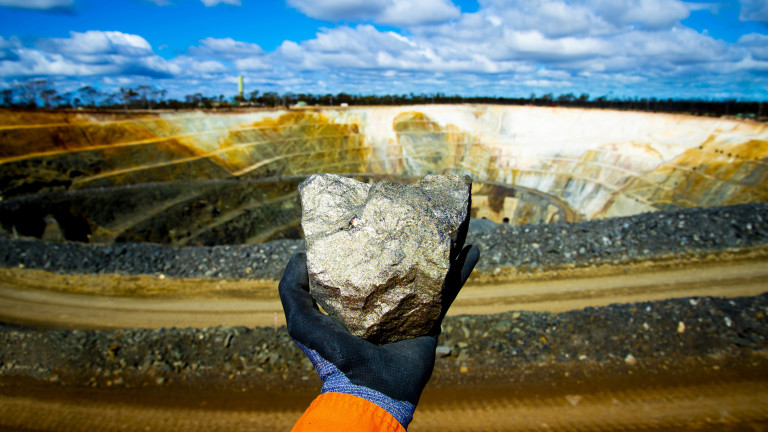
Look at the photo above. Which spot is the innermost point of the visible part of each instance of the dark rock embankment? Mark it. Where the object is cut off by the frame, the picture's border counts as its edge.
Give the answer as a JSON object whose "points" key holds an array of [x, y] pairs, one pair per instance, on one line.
{"points": [[525, 248], [684, 233]]}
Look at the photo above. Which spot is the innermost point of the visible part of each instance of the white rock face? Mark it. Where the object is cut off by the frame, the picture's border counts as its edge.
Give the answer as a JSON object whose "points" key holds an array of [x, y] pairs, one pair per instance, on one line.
{"points": [[600, 163], [583, 163]]}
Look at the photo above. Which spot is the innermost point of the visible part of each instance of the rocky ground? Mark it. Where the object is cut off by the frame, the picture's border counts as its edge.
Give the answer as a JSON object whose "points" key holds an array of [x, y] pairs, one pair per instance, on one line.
{"points": [[628, 336], [524, 248]]}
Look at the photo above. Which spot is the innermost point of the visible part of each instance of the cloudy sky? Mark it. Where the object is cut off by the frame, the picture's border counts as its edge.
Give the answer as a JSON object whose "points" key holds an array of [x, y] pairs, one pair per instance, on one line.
{"points": [[622, 48]]}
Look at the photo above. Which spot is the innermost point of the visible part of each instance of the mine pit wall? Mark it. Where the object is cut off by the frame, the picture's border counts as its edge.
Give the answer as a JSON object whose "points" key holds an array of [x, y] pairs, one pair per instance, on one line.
{"points": [[531, 164]]}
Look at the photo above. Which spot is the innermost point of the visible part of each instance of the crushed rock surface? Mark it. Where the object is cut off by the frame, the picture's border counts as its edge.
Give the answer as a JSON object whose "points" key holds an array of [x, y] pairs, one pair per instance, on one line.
{"points": [[625, 336], [527, 248]]}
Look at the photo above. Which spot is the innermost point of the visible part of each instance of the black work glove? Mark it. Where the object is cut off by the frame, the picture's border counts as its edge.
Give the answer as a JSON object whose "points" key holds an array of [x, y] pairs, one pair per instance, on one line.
{"points": [[393, 375]]}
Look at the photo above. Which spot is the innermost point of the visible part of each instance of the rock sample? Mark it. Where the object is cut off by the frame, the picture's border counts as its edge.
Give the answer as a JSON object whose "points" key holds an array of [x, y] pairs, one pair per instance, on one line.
{"points": [[378, 254]]}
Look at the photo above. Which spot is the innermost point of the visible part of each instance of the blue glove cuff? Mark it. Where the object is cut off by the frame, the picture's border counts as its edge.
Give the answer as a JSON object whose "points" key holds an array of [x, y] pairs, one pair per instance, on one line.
{"points": [[334, 381]]}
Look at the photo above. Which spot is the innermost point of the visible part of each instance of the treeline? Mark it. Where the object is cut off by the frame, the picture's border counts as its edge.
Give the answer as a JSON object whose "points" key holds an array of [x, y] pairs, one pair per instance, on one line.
{"points": [[41, 94]]}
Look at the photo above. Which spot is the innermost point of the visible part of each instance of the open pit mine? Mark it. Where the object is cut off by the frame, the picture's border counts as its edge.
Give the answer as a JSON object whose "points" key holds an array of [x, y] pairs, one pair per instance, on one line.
{"points": [[622, 280]]}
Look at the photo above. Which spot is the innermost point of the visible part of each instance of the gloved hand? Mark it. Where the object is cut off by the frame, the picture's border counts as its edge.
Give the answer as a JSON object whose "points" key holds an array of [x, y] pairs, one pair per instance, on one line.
{"points": [[393, 375]]}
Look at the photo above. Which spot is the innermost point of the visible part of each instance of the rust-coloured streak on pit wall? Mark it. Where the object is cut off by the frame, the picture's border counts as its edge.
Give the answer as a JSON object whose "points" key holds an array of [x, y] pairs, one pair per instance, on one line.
{"points": [[231, 177]]}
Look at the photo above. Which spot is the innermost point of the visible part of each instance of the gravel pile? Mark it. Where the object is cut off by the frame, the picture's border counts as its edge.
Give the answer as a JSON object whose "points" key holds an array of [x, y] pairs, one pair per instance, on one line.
{"points": [[261, 261], [681, 233], [527, 248], [619, 335]]}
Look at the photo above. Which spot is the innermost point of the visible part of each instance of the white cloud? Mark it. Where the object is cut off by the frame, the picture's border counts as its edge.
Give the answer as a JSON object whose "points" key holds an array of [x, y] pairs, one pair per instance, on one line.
{"points": [[37, 4], [394, 12], [362, 40], [549, 17], [677, 46], [711, 7], [754, 10], [536, 46], [546, 83], [227, 48], [190, 66], [96, 53], [408, 13], [99, 43], [756, 44], [584, 17], [32, 62], [339, 10], [507, 47], [8, 47], [251, 64], [654, 14], [542, 42], [367, 48]]}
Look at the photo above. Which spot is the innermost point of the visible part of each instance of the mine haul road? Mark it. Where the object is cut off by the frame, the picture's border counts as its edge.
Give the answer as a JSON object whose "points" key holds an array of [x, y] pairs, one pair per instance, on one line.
{"points": [[704, 401], [48, 300], [706, 397]]}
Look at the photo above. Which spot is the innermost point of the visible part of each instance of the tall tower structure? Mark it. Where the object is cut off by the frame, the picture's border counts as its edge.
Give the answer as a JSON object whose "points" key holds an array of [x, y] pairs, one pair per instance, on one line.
{"points": [[240, 87]]}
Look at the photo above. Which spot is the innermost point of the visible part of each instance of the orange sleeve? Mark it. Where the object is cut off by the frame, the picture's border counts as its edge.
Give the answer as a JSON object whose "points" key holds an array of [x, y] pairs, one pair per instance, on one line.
{"points": [[342, 412]]}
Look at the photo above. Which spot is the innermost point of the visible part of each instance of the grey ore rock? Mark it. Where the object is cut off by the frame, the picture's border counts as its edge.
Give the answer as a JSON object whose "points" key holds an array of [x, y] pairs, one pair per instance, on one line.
{"points": [[378, 254]]}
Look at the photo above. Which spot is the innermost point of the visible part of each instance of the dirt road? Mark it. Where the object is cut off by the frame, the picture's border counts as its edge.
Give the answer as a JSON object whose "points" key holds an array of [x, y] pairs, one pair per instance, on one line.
{"points": [[725, 397], [34, 297]]}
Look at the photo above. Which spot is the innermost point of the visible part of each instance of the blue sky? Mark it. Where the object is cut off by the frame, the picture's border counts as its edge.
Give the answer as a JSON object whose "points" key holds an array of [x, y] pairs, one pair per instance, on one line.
{"points": [[626, 48]]}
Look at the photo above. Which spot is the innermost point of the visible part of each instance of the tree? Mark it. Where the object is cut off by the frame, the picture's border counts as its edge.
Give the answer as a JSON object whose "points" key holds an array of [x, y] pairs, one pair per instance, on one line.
{"points": [[6, 96], [60, 101], [271, 98], [174, 104], [197, 100], [89, 96], [601, 101], [29, 91], [193, 99], [566, 98], [144, 92], [127, 95], [159, 95], [343, 98], [48, 95], [112, 99], [288, 99]]}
